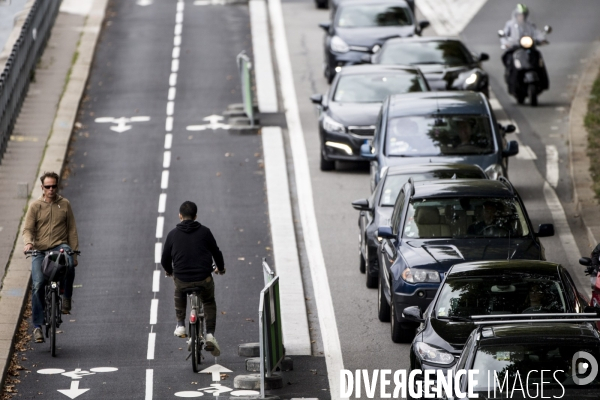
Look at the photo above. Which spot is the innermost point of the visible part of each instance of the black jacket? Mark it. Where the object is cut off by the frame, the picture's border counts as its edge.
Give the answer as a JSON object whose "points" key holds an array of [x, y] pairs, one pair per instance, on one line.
{"points": [[189, 252]]}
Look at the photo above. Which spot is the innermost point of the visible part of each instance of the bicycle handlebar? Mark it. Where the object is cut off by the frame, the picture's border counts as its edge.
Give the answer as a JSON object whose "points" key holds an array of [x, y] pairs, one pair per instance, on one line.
{"points": [[40, 252]]}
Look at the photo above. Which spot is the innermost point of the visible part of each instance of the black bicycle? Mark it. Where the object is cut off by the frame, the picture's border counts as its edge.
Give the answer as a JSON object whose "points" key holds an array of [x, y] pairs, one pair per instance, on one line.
{"points": [[54, 267], [196, 328]]}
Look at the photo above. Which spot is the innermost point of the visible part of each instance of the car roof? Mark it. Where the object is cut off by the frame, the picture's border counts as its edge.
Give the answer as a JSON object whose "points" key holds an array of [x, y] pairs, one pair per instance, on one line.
{"points": [[429, 103], [377, 68], [461, 188], [538, 332], [504, 267], [430, 167], [422, 39]]}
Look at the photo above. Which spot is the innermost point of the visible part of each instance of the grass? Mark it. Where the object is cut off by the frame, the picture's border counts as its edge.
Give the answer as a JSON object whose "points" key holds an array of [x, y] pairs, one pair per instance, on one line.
{"points": [[592, 124]]}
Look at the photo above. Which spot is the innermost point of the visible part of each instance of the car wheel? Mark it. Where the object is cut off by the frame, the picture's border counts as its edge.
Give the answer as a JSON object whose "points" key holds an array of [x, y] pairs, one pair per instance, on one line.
{"points": [[326, 165], [383, 307], [399, 334], [371, 281], [363, 264]]}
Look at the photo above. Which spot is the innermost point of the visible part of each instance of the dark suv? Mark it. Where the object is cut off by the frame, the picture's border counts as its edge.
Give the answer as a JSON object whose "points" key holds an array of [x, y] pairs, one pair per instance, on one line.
{"points": [[436, 224]]}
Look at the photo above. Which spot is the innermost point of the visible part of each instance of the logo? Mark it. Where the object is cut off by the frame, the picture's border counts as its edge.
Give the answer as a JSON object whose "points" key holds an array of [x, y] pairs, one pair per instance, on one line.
{"points": [[582, 364]]}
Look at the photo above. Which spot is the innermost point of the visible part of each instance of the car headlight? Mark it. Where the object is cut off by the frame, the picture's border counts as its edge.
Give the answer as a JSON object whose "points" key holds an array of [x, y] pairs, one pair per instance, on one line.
{"points": [[331, 125], [420, 275], [526, 42], [471, 79], [338, 45], [494, 171], [433, 355]]}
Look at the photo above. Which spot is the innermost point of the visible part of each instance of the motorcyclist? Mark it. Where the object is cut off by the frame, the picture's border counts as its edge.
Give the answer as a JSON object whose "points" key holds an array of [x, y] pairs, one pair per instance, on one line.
{"points": [[517, 27]]}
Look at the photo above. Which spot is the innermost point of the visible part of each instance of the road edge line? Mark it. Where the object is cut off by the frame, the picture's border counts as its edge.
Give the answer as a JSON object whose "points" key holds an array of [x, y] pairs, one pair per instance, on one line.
{"points": [[18, 271], [294, 321], [327, 322], [266, 90]]}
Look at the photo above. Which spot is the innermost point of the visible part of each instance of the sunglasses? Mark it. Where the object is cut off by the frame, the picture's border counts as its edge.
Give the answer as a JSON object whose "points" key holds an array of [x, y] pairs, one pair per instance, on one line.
{"points": [[50, 186]]}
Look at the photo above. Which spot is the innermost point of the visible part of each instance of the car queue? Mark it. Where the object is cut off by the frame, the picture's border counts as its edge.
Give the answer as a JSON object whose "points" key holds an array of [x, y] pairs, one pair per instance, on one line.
{"points": [[444, 236]]}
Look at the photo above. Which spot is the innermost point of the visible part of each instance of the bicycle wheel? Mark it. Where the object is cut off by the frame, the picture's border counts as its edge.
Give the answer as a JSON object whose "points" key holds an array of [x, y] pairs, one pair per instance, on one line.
{"points": [[53, 310], [194, 347]]}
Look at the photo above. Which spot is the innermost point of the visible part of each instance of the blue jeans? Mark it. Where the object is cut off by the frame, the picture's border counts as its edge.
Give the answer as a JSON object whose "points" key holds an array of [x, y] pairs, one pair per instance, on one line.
{"points": [[38, 282]]}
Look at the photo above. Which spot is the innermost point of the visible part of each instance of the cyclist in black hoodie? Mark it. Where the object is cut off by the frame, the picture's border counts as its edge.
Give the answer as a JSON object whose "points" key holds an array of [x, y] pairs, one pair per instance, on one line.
{"points": [[188, 254]]}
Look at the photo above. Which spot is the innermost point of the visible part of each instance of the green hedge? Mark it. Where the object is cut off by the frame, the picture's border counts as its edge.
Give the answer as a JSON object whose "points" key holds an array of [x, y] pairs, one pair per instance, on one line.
{"points": [[592, 123]]}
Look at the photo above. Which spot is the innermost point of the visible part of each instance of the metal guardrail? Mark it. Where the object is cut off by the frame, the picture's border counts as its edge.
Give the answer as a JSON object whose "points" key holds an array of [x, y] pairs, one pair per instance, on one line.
{"points": [[14, 80]]}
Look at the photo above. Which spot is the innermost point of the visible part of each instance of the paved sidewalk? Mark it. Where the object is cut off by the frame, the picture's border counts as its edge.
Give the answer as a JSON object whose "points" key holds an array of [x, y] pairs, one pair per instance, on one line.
{"points": [[42, 132]]}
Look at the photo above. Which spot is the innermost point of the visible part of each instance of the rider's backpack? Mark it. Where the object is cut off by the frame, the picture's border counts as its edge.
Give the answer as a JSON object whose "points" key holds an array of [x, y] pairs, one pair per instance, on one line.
{"points": [[54, 266]]}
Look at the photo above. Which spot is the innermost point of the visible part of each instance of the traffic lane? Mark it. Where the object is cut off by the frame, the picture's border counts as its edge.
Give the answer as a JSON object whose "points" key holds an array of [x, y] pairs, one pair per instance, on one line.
{"points": [[113, 182], [574, 29], [365, 341]]}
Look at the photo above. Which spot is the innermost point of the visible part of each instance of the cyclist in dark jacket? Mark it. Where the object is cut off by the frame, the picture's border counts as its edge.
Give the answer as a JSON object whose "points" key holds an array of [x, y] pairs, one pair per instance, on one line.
{"points": [[188, 254]]}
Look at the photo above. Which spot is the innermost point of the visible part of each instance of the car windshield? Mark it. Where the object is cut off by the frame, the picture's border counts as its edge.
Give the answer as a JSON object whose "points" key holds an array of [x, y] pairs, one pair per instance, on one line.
{"points": [[374, 88], [393, 183], [372, 15], [465, 217], [507, 294], [448, 52], [515, 362], [439, 135]]}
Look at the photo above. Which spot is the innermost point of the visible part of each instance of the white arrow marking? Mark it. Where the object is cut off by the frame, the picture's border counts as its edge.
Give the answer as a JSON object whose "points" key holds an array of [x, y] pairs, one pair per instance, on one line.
{"points": [[213, 119], [144, 3], [215, 370], [74, 391], [121, 122]]}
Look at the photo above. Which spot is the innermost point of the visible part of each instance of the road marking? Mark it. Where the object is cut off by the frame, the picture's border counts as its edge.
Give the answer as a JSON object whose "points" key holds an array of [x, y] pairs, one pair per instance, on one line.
{"points": [[160, 227], [104, 369], [216, 371], [144, 3], [495, 104], [189, 394], [213, 123], [525, 153], [173, 79], [151, 345], [149, 383], [177, 41], [171, 95], [293, 307], [179, 17], [174, 65], [178, 29], [266, 92], [506, 122], [329, 331], [162, 202], [167, 159], [121, 122], [156, 281], [164, 181], [180, 6], [154, 310], [168, 140], [176, 52], [169, 124], [74, 391], [157, 252], [170, 107], [552, 172], [50, 371]]}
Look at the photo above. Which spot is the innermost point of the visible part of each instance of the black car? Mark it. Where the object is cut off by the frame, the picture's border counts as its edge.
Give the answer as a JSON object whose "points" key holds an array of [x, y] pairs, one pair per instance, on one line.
{"points": [[426, 127], [436, 224], [348, 111], [360, 27], [446, 63], [377, 209], [546, 359], [489, 288]]}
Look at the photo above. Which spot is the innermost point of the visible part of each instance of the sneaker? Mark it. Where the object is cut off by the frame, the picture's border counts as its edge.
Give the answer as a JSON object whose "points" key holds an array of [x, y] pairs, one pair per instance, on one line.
{"points": [[66, 306], [180, 331], [38, 336], [212, 345]]}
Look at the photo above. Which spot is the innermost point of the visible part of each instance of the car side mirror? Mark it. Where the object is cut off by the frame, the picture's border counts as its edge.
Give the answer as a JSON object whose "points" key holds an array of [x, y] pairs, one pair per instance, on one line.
{"points": [[365, 59], [545, 230], [413, 313], [512, 149], [361, 205], [385, 232], [501, 33], [509, 128], [484, 57], [585, 261], [366, 152], [325, 26], [548, 29], [317, 99], [423, 24]]}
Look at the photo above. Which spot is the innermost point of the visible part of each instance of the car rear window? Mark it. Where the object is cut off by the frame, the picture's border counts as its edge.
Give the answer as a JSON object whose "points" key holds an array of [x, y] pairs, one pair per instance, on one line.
{"points": [[439, 135], [372, 15], [465, 217], [450, 53], [374, 88]]}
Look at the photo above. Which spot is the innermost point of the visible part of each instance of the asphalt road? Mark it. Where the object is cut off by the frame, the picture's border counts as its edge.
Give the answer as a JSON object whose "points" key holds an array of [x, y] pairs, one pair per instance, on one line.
{"points": [[365, 341], [114, 183]]}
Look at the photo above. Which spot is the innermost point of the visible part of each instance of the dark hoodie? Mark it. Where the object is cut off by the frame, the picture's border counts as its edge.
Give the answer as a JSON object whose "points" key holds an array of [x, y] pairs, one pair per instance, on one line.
{"points": [[189, 252]]}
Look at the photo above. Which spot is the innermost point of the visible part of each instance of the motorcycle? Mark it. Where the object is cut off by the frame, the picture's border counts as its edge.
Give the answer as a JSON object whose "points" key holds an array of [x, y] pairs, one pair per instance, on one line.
{"points": [[525, 72]]}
